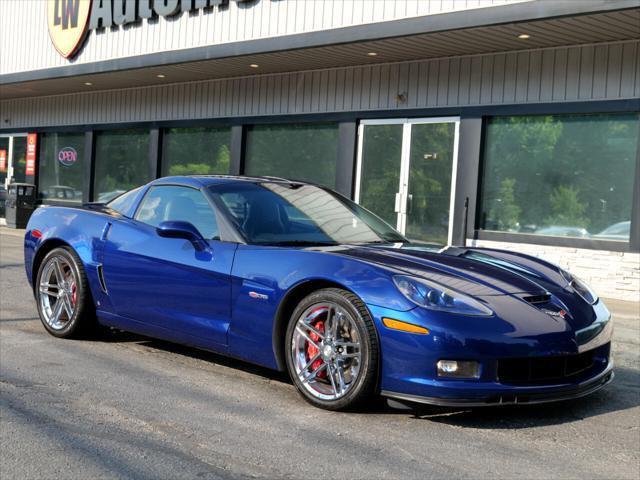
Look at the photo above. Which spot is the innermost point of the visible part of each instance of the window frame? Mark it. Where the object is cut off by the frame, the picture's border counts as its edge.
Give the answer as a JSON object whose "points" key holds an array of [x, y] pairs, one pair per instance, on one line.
{"points": [[164, 161], [86, 167], [631, 245], [149, 163], [252, 126]]}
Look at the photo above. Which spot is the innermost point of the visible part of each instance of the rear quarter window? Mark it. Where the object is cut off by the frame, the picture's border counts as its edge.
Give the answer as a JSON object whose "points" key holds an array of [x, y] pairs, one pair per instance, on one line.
{"points": [[124, 203]]}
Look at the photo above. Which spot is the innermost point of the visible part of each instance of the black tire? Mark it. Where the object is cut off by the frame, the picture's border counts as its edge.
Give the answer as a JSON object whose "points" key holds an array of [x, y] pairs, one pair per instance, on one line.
{"points": [[83, 321], [365, 384]]}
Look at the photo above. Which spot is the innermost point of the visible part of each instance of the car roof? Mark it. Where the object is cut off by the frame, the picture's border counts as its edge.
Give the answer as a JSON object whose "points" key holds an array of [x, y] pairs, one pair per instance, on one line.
{"points": [[206, 180]]}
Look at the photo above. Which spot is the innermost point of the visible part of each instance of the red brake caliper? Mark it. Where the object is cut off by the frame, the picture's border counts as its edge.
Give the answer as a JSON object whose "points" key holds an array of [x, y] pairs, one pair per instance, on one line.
{"points": [[313, 351], [73, 290]]}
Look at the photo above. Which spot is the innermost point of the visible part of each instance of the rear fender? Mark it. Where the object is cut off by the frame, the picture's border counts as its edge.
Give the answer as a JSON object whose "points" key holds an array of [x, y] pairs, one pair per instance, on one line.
{"points": [[78, 228]]}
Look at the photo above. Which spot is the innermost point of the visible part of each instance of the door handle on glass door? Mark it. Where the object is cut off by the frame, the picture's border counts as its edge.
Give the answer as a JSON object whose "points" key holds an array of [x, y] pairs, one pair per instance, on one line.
{"points": [[409, 203]]}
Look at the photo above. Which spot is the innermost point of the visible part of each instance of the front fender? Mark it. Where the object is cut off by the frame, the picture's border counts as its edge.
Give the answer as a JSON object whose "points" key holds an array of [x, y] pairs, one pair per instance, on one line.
{"points": [[262, 277]]}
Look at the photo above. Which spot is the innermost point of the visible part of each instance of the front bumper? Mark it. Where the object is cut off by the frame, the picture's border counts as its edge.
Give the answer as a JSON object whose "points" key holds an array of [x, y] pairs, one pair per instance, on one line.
{"points": [[408, 366], [516, 395]]}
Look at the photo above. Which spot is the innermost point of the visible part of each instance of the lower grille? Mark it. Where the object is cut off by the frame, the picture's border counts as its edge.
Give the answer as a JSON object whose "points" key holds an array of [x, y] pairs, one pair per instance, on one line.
{"points": [[545, 369]]}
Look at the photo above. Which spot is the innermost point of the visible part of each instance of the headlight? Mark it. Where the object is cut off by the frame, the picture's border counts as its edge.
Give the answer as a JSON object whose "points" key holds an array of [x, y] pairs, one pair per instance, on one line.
{"points": [[580, 287], [434, 296]]}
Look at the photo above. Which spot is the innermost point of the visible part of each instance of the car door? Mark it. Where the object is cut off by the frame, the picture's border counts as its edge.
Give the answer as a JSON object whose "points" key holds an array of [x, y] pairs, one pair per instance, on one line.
{"points": [[165, 283]]}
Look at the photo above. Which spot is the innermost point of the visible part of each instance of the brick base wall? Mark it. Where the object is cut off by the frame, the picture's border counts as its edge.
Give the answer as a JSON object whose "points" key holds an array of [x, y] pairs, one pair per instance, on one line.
{"points": [[610, 274]]}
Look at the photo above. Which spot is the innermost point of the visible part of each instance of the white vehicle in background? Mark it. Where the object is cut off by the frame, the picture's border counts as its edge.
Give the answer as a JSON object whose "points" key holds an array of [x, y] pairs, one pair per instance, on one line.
{"points": [[617, 231]]}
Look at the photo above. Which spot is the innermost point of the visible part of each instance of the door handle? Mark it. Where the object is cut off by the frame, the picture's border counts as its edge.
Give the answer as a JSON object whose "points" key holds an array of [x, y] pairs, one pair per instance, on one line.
{"points": [[404, 203]]}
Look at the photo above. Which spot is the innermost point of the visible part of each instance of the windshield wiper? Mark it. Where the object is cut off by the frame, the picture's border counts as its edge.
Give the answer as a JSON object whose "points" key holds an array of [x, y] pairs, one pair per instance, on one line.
{"points": [[296, 243], [383, 242]]}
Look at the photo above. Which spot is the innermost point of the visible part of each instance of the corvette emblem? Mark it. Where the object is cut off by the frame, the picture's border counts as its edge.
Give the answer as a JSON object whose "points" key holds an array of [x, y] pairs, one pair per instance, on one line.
{"points": [[67, 21], [261, 296], [559, 313]]}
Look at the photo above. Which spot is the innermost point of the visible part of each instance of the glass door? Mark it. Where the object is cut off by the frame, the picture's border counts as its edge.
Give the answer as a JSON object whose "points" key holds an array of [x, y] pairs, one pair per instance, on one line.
{"points": [[4, 171], [406, 174], [4, 161], [14, 150]]}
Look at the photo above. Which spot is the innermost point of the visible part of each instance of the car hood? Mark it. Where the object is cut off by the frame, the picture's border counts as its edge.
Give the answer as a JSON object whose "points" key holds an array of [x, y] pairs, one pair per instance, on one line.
{"points": [[506, 281], [474, 271]]}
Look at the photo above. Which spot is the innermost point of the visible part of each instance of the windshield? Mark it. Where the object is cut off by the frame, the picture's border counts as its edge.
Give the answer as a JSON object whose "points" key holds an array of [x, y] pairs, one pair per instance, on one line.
{"points": [[297, 214]]}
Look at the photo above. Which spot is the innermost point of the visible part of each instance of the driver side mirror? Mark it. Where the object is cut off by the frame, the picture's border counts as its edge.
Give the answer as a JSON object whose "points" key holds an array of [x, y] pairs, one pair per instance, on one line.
{"points": [[185, 230]]}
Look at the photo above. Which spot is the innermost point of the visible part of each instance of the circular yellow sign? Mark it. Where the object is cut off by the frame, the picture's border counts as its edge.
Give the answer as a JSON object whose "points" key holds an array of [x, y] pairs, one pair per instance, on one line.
{"points": [[67, 21]]}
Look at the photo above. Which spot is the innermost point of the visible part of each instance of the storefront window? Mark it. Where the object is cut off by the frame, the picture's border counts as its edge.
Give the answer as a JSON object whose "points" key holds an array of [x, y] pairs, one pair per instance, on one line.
{"points": [[300, 152], [62, 165], [569, 175], [196, 151], [122, 162]]}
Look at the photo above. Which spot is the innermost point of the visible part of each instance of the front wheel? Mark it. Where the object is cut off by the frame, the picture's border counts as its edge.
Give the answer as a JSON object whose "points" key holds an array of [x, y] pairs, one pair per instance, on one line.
{"points": [[62, 293], [332, 350]]}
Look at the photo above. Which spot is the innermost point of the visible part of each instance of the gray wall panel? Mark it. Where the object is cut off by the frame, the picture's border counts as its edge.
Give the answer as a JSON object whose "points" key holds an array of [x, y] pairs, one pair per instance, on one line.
{"points": [[522, 76], [475, 80], [600, 71], [614, 68], [547, 76], [535, 76], [465, 82], [608, 71], [586, 73]]}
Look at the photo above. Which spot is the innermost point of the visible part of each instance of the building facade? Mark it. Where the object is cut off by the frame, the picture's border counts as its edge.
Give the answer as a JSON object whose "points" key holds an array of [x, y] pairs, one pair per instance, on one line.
{"points": [[504, 123]]}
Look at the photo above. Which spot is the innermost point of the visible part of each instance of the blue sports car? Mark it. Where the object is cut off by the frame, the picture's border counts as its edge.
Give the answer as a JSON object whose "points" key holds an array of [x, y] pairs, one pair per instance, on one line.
{"points": [[293, 276]]}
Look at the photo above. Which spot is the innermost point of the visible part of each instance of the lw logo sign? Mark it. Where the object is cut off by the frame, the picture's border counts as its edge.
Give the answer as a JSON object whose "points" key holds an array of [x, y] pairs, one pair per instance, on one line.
{"points": [[68, 21]]}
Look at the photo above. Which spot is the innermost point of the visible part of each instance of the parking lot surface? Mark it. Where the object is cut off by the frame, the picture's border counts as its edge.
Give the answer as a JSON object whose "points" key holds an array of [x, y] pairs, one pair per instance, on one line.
{"points": [[125, 406]]}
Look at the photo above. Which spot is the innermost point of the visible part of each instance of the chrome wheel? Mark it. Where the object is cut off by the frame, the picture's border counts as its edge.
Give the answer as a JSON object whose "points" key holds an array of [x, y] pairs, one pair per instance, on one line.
{"points": [[326, 351], [57, 292]]}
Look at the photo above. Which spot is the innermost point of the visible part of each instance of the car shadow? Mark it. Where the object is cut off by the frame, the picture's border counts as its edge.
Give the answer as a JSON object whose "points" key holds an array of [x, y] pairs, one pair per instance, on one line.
{"points": [[117, 336], [621, 394]]}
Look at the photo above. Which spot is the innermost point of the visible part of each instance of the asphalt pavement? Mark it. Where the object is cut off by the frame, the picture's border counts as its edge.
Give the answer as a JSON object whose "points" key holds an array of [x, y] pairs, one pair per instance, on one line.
{"points": [[125, 406]]}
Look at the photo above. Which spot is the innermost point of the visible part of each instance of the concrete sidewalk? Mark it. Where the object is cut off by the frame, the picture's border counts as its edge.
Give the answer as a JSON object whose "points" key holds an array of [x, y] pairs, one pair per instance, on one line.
{"points": [[14, 232]]}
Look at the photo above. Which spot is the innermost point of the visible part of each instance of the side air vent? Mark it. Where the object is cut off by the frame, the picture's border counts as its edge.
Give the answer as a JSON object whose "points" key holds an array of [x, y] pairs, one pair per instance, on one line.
{"points": [[535, 299], [101, 279]]}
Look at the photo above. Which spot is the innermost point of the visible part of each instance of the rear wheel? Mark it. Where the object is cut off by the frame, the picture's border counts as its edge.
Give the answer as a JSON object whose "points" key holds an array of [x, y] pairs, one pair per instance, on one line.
{"points": [[62, 294], [332, 350]]}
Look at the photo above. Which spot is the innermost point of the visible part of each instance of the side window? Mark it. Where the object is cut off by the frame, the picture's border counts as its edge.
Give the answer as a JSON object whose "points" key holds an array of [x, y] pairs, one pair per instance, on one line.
{"points": [[173, 203], [123, 203]]}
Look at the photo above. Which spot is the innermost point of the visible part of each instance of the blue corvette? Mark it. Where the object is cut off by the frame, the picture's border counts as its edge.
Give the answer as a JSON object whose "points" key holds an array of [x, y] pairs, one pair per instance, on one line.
{"points": [[293, 276]]}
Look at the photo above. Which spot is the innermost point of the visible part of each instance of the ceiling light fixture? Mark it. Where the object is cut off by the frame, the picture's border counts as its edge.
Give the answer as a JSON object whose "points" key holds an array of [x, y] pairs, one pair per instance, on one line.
{"points": [[524, 36], [254, 65], [161, 75], [372, 54], [88, 84]]}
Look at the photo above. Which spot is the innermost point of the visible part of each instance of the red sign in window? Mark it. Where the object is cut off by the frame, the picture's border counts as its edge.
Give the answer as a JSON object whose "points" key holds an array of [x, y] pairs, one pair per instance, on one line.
{"points": [[32, 142], [3, 160]]}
